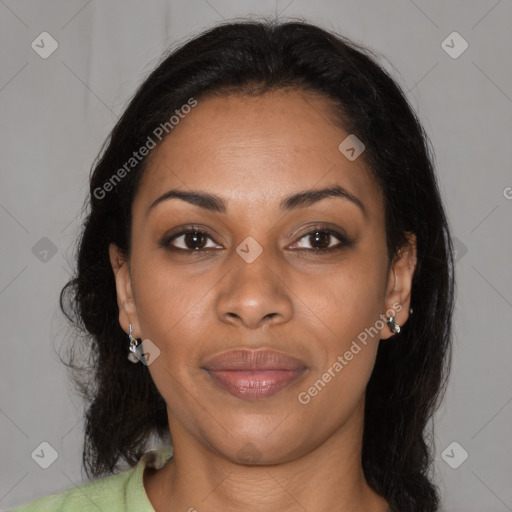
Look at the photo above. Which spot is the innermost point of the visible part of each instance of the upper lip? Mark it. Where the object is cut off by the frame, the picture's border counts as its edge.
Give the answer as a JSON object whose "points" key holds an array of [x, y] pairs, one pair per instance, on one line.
{"points": [[246, 359]]}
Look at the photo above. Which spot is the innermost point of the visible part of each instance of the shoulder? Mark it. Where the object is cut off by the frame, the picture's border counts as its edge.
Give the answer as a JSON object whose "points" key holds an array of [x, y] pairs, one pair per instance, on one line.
{"points": [[123, 492], [103, 494]]}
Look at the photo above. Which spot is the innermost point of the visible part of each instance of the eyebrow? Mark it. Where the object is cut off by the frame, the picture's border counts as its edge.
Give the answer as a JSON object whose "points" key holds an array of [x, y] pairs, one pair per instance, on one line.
{"points": [[302, 199]]}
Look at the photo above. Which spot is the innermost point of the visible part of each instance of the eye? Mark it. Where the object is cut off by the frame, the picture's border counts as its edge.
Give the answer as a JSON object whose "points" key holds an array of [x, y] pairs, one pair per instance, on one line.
{"points": [[190, 240], [194, 240], [321, 240]]}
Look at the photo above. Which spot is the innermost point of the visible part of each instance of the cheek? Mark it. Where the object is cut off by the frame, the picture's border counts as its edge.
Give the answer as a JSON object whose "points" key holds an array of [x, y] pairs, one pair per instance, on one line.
{"points": [[347, 303], [348, 298], [169, 311], [174, 310], [346, 349], [167, 297]]}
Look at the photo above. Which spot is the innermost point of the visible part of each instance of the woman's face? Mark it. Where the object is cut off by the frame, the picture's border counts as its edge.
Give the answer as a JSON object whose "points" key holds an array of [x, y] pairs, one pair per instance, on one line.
{"points": [[259, 282]]}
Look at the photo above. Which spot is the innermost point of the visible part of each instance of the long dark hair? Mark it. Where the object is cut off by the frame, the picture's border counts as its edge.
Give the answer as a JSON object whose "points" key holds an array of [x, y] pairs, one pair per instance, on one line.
{"points": [[124, 407]]}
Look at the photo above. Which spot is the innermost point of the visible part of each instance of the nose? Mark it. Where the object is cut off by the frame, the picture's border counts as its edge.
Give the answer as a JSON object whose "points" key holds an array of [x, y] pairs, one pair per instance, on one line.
{"points": [[254, 295]]}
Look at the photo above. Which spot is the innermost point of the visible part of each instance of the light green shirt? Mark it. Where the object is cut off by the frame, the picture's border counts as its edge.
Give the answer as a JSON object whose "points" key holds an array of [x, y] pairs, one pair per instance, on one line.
{"points": [[123, 492]]}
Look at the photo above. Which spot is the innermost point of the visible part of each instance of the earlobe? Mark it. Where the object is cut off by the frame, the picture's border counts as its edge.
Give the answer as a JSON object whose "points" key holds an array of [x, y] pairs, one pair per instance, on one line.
{"points": [[125, 299], [398, 294]]}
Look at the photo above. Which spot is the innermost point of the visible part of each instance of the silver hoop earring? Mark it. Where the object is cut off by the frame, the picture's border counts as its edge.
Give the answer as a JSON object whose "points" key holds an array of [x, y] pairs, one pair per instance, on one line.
{"points": [[134, 346], [393, 326]]}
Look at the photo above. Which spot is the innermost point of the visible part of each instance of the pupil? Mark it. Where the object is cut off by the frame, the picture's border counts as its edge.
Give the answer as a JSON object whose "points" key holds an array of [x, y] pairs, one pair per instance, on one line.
{"points": [[321, 238], [195, 238]]}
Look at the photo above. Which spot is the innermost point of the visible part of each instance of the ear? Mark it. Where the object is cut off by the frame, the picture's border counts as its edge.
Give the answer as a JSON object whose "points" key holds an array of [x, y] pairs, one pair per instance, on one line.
{"points": [[125, 299], [398, 291]]}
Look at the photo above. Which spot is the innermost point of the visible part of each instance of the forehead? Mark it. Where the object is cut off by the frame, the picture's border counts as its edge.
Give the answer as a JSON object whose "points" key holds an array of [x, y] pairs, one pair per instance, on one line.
{"points": [[250, 150]]}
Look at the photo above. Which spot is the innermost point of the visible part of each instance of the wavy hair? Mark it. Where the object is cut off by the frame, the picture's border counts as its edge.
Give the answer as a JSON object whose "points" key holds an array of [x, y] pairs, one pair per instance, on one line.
{"points": [[124, 408]]}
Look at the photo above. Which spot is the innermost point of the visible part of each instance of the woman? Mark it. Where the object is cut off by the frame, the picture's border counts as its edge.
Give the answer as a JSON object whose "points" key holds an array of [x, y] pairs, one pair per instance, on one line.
{"points": [[266, 218]]}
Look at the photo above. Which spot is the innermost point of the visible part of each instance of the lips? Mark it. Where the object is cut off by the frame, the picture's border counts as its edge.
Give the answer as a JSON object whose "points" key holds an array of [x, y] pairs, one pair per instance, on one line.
{"points": [[254, 374]]}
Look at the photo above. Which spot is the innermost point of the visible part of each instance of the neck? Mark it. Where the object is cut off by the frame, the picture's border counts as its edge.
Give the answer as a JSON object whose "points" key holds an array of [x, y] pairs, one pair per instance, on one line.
{"points": [[328, 477]]}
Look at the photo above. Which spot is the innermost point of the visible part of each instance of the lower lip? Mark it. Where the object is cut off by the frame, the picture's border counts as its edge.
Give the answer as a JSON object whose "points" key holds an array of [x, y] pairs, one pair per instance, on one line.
{"points": [[254, 384]]}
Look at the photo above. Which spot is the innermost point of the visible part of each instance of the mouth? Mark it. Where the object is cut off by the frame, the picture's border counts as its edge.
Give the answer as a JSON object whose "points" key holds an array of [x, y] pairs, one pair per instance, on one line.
{"points": [[254, 374]]}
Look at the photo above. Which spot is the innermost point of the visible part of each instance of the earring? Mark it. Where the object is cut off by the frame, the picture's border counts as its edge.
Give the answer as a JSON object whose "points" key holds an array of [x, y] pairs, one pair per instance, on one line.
{"points": [[132, 356], [393, 326]]}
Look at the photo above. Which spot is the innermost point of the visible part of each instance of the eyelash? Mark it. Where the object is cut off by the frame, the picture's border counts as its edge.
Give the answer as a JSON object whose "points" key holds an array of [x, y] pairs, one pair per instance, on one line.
{"points": [[343, 241]]}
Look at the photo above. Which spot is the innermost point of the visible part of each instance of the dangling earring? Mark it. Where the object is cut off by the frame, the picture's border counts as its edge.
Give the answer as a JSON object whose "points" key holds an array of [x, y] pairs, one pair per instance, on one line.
{"points": [[393, 326], [133, 347]]}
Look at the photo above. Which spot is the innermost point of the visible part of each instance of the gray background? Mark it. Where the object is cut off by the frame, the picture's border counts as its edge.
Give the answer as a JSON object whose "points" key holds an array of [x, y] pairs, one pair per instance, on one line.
{"points": [[56, 112]]}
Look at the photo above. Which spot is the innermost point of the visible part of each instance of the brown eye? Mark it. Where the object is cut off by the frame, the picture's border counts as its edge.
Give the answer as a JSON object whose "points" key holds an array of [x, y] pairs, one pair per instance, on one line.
{"points": [[321, 240], [195, 240], [190, 240]]}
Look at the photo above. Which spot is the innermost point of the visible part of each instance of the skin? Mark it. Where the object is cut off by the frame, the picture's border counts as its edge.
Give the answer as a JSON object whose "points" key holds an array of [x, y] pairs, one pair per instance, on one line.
{"points": [[253, 152]]}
